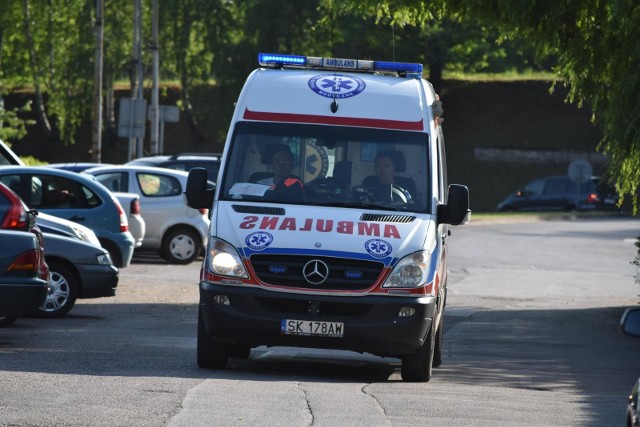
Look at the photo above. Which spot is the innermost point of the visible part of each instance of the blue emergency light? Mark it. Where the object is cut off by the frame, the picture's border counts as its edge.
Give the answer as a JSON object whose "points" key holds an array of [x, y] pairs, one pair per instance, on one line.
{"points": [[297, 61]]}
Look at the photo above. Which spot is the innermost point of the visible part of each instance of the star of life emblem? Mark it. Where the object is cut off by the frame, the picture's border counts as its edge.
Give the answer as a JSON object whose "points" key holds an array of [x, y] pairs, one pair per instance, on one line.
{"points": [[378, 248], [336, 86], [258, 240]]}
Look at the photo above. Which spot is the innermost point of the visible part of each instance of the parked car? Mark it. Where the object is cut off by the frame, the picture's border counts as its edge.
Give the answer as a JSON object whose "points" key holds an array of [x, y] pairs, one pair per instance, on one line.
{"points": [[131, 204], [75, 166], [130, 200], [23, 284], [7, 156], [63, 227], [183, 162], [24, 273], [78, 198], [77, 270], [178, 232], [630, 325], [559, 193]]}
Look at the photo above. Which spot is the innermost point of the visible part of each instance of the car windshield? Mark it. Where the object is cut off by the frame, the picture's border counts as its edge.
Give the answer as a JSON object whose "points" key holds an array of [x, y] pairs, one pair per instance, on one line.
{"points": [[328, 165]]}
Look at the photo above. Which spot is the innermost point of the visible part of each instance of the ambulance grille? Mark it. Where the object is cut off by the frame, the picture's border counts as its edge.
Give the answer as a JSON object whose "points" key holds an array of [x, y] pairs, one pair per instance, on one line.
{"points": [[344, 274], [258, 210], [387, 218]]}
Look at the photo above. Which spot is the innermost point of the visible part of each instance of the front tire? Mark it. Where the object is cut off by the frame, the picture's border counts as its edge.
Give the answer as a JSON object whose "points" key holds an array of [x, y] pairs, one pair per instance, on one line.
{"points": [[418, 366], [62, 293], [211, 354], [181, 246]]}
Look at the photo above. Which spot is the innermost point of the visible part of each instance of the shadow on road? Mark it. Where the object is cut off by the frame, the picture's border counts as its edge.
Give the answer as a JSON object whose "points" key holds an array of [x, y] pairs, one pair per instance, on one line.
{"points": [[566, 351]]}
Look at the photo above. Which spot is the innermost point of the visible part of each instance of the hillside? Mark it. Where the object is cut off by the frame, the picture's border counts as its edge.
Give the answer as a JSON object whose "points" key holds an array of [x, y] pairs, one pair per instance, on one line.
{"points": [[499, 135]]}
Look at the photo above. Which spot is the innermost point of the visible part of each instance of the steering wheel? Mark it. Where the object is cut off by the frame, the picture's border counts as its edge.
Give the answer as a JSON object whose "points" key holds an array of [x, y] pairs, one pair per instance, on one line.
{"points": [[399, 195]]}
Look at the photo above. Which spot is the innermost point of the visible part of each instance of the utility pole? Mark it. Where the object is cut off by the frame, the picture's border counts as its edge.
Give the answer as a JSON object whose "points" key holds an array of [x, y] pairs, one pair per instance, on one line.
{"points": [[155, 107], [96, 137], [136, 84]]}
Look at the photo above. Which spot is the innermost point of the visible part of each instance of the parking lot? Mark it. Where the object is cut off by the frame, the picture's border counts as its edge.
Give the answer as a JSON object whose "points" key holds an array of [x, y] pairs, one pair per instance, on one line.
{"points": [[530, 339]]}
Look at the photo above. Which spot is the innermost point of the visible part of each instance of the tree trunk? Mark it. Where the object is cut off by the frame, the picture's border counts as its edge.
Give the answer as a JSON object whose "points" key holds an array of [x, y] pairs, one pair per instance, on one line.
{"points": [[41, 114], [194, 131]]}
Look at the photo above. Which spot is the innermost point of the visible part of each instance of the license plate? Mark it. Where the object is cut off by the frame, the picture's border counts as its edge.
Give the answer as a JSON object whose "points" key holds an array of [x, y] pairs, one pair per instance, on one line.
{"points": [[311, 328]]}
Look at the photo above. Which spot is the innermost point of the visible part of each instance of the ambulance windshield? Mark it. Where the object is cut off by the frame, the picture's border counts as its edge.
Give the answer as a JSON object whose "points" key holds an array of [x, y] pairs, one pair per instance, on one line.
{"points": [[328, 165]]}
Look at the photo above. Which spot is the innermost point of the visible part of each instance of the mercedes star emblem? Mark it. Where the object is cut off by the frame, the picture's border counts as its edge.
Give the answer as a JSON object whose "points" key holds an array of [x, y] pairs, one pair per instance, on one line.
{"points": [[315, 271]]}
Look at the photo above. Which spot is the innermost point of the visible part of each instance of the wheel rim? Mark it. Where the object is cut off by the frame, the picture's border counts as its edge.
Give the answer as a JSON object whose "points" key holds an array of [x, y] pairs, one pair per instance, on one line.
{"points": [[58, 293], [182, 247]]}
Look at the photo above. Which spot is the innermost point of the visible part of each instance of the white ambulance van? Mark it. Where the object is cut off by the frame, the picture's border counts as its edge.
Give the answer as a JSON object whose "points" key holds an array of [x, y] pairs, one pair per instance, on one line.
{"points": [[330, 216]]}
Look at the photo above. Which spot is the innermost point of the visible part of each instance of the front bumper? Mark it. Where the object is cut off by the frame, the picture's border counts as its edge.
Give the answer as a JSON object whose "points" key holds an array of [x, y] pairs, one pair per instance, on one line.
{"points": [[98, 280], [371, 323]]}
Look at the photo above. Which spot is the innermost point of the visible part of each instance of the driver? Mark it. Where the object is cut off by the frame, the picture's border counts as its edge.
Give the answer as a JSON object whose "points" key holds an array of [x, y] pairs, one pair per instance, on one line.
{"points": [[385, 168]]}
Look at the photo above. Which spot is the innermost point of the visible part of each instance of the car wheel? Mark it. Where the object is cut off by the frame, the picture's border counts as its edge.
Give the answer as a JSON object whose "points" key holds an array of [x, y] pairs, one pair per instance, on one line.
{"points": [[62, 294], [6, 321], [211, 354], [418, 366], [180, 246]]}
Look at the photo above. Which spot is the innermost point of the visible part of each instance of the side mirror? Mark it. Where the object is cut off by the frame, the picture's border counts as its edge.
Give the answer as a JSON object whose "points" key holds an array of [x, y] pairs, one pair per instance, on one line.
{"points": [[198, 195], [630, 322], [456, 211]]}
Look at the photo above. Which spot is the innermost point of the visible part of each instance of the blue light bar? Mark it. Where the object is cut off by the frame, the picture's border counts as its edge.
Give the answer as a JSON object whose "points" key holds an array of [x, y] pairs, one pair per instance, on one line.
{"points": [[298, 61], [276, 59], [399, 67]]}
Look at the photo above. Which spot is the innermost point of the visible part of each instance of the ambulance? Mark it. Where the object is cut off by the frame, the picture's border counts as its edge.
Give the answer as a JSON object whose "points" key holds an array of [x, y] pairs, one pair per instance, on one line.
{"points": [[330, 215]]}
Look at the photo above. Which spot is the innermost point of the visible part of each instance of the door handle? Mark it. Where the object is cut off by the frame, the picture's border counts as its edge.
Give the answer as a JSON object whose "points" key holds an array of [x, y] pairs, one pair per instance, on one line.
{"points": [[77, 218]]}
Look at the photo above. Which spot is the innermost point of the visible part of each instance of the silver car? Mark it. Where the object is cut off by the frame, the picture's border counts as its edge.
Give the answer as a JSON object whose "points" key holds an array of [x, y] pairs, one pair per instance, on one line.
{"points": [[178, 232], [131, 204]]}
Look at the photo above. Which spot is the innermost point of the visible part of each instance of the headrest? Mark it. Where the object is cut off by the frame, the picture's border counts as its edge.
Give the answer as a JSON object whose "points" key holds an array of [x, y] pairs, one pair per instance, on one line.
{"points": [[270, 149], [397, 157]]}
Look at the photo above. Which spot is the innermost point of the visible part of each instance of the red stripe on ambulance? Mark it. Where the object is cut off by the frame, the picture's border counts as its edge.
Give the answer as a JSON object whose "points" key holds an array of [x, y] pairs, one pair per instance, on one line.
{"points": [[330, 120], [389, 231]]}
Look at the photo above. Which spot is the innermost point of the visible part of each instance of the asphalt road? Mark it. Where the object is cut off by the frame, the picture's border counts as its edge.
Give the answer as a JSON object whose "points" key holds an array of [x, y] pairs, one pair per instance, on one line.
{"points": [[531, 338]]}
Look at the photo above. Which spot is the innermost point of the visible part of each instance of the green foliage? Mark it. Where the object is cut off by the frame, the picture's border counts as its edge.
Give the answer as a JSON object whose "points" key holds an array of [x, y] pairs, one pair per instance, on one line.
{"points": [[32, 161], [597, 56], [12, 126], [591, 47]]}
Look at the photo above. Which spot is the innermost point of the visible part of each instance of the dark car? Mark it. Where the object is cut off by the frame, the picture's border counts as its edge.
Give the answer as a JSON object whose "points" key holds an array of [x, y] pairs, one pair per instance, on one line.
{"points": [[559, 193], [183, 162], [22, 285], [78, 270], [24, 274]]}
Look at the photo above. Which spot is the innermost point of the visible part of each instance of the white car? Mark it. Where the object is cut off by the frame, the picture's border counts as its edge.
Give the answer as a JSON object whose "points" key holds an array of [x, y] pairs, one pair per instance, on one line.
{"points": [[177, 231]]}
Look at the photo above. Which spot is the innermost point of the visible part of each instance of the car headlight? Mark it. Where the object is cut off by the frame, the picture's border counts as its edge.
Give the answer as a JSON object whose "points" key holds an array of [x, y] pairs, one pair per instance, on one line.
{"points": [[104, 259], [410, 272], [223, 259]]}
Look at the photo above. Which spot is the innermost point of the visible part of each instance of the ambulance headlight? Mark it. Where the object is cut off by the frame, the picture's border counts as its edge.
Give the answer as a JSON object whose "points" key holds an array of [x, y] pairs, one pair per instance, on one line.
{"points": [[410, 272], [223, 259]]}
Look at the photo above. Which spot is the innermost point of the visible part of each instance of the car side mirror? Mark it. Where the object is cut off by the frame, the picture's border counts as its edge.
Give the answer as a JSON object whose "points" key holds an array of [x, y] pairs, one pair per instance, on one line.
{"points": [[456, 211], [630, 322], [198, 194]]}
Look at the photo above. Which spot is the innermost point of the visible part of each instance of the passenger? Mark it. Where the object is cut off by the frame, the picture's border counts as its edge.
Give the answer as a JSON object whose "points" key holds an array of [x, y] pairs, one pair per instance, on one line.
{"points": [[284, 185]]}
